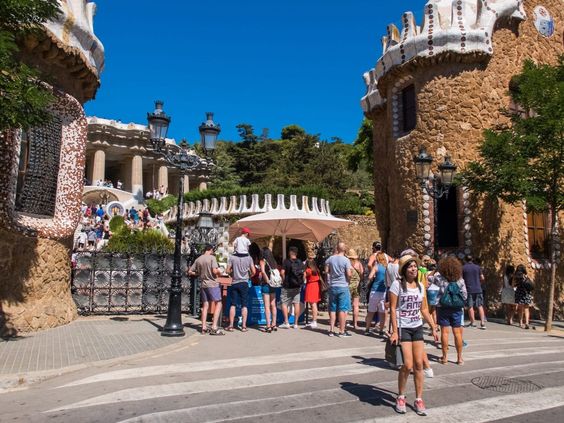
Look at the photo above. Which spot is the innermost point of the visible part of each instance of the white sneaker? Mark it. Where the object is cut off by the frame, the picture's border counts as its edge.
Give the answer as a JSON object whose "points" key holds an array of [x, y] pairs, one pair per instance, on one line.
{"points": [[296, 326], [429, 373], [313, 324], [284, 326]]}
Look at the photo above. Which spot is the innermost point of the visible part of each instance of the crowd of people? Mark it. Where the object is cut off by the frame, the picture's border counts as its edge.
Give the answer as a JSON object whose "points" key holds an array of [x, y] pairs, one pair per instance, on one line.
{"points": [[403, 291], [95, 228]]}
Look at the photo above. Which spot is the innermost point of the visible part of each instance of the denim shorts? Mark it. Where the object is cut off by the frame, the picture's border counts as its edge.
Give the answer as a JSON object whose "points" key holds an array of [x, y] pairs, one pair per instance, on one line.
{"points": [[447, 316], [239, 294], [339, 299], [267, 289]]}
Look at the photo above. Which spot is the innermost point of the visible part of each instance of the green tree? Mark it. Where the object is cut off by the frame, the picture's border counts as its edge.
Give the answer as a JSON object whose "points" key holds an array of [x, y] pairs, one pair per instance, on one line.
{"points": [[525, 160], [292, 131], [23, 99], [361, 156]]}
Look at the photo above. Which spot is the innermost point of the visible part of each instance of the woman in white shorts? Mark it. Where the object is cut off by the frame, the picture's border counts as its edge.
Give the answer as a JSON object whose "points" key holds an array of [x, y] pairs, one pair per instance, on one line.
{"points": [[377, 293]]}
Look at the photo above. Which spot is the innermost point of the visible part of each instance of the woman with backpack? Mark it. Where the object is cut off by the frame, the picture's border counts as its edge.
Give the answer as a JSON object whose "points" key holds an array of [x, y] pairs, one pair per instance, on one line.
{"points": [[408, 308], [270, 278], [450, 302]]}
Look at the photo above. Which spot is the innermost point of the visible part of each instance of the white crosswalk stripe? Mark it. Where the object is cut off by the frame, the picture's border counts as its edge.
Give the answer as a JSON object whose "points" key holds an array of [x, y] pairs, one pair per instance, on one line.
{"points": [[178, 368], [141, 393]]}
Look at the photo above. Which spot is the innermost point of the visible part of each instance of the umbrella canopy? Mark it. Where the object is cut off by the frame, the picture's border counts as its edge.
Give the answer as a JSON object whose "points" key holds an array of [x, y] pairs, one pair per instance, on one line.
{"points": [[294, 224]]}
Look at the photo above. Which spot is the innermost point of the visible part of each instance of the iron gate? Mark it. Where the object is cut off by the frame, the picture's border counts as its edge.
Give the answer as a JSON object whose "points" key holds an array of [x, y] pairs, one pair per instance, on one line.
{"points": [[112, 283]]}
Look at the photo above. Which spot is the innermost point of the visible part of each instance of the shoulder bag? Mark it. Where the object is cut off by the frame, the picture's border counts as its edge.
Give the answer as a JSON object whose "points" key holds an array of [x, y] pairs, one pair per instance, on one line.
{"points": [[274, 277], [394, 355]]}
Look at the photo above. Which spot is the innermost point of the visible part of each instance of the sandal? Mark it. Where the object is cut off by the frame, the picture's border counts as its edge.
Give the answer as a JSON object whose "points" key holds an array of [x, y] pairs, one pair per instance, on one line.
{"points": [[205, 331], [275, 328], [269, 329], [243, 329], [460, 363], [229, 329], [217, 332], [443, 360]]}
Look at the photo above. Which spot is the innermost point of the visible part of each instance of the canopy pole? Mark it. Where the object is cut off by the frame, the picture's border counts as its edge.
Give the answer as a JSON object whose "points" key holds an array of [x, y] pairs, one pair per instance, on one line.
{"points": [[284, 246]]}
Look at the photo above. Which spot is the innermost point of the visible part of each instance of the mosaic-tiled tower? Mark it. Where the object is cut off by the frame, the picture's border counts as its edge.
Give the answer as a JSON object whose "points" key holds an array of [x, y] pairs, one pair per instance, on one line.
{"points": [[41, 176], [440, 85]]}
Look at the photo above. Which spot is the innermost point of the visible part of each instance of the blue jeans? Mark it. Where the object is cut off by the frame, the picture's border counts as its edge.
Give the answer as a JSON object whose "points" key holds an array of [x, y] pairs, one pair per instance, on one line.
{"points": [[339, 299]]}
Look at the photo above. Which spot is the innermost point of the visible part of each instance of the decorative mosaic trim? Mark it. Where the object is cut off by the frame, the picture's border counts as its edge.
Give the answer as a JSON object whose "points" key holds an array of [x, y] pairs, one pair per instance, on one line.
{"points": [[536, 264], [428, 224], [459, 26], [70, 177], [467, 212]]}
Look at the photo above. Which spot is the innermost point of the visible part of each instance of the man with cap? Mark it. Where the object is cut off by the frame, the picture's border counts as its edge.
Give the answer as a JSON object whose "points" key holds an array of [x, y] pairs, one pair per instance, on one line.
{"points": [[242, 243]]}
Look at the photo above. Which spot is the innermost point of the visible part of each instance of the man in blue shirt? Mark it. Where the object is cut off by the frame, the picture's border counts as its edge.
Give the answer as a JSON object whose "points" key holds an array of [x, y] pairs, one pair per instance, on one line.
{"points": [[339, 270], [473, 278]]}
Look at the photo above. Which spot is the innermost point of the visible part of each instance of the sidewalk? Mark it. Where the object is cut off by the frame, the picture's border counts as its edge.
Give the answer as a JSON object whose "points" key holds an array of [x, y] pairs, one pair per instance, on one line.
{"points": [[87, 340]]}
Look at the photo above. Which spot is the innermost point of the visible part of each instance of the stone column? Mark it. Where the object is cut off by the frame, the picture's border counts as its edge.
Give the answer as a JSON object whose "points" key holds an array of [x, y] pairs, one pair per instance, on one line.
{"points": [[163, 177], [203, 185], [137, 178], [186, 184], [98, 166]]}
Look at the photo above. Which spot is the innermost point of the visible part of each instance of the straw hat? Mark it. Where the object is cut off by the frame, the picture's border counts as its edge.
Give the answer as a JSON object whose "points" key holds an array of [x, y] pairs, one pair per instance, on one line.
{"points": [[405, 260], [352, 254]]}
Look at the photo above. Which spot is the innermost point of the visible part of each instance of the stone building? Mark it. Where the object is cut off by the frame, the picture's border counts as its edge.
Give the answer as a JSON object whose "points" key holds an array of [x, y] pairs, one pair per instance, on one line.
{"points": [[117, 153], [41, 176], [438, 86]]}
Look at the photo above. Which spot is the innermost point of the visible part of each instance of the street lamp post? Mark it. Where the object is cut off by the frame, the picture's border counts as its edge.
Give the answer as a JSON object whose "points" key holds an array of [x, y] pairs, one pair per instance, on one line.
{"points": [[181, 158], [436, 186]]}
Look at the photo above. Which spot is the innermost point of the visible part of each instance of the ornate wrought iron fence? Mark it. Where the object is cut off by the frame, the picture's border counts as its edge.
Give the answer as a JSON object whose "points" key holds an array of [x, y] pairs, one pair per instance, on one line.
{"points": [[117, 283]]}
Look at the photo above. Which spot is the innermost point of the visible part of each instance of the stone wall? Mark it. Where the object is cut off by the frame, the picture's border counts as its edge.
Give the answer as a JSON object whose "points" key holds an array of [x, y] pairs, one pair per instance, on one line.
{"points": [[458, 96], [361, 235], [34, 284]]}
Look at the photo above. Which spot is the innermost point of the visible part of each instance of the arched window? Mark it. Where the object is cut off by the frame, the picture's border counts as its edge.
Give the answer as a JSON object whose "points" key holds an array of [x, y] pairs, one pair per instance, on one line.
{"points": [[539, 233]]}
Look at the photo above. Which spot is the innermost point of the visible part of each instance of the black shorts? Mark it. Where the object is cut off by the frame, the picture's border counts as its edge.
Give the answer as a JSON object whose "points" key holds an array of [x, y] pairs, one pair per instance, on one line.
{"points": [[411, 334]]}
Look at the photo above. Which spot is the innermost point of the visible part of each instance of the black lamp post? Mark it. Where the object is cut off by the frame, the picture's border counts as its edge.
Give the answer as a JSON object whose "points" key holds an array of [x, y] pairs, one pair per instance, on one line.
{"points": [[436, 186], [180, 157]]}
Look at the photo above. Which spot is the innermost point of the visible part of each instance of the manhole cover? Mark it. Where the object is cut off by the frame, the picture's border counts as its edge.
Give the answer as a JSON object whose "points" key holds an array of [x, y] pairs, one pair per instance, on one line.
{"points": [[505, 385]]}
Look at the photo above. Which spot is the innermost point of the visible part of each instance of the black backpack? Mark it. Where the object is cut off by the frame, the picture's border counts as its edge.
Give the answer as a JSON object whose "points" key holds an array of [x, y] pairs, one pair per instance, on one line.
{"points": [[295, 274]]}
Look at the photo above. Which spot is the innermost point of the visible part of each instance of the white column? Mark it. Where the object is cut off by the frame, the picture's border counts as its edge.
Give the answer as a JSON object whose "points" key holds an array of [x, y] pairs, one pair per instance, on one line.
{"points": [[163, 178], [137, 178], [203, 185], [186, 184], [98, 166]]}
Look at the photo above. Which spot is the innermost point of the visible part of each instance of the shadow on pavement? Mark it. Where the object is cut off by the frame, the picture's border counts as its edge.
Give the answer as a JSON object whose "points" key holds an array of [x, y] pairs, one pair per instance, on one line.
{"points": [[159, 327], [370, 394], [375, 362]]}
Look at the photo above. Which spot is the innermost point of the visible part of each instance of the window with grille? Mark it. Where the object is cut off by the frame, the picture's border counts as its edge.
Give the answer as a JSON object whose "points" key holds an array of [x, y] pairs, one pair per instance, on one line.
{"points": [[539, 230]]}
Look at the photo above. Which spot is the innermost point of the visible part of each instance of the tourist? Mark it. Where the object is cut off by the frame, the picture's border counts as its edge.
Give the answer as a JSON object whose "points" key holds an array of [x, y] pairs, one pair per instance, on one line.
{"points": [[119, 184], [207, 269], [523, 295], [92, 238], [242, 268], [313, 288], [406, 311], [293, 278], [450, 302], [473, 278], [256, 254], [357, 275], [339, 269], [268, 267], [377, 293], [508, 294], [376, 248], [242, 243], [82, 239]]}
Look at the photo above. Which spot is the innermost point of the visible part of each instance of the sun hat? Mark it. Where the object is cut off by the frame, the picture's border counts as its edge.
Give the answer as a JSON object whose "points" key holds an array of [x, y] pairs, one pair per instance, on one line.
{"points": [[405, 260], [352, 254]]}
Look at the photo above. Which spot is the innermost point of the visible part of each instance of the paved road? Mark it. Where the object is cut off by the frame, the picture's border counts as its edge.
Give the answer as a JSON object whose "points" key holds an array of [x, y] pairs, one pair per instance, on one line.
{"points": [[302, 376]]}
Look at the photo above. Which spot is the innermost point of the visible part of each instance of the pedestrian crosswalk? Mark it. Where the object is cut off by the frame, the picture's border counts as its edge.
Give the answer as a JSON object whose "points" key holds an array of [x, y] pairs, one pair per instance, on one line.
{"points": [[334, 382]]}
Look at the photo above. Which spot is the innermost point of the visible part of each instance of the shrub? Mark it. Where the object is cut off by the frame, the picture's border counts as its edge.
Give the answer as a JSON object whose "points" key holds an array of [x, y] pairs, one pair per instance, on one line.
{"points": [[126, 240], [116, 223]]}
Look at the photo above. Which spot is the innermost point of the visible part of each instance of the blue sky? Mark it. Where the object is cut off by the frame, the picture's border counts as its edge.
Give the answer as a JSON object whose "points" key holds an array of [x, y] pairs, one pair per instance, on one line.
{"points": [[267, 63]]}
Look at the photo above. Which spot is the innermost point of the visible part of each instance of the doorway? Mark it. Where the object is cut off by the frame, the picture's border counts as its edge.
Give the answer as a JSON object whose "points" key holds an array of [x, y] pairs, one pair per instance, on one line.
{"points": [[447, 220]]}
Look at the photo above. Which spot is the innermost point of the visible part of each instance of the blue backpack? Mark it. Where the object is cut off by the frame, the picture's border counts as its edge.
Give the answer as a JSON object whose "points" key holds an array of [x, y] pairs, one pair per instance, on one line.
{"points": [[452, 298]]}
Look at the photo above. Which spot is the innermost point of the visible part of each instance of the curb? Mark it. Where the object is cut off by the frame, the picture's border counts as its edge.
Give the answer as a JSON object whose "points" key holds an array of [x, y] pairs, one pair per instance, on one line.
{"points": [[21, 381]]}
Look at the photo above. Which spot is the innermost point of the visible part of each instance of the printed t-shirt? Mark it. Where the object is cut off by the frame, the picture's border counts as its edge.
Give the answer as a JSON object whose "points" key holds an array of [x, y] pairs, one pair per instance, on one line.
{"points": [[408, 305], [203, 267], [241, 268], [338, 266], [379, 284], [471, 274]]}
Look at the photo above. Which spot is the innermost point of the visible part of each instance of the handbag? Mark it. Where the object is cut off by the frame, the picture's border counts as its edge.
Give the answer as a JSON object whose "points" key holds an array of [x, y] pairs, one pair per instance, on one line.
{"points": [[275, 278], [394, 355]]}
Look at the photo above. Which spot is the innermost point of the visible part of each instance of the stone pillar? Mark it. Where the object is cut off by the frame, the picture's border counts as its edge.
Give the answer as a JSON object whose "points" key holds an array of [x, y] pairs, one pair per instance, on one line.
{"points": [[163, 178], [186, 184], [98, 166], [137, 178], [203, 185]]}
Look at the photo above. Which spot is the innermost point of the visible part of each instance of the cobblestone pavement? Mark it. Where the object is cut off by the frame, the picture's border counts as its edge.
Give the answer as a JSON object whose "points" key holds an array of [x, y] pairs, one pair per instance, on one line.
{"points": [[83, 341]]}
